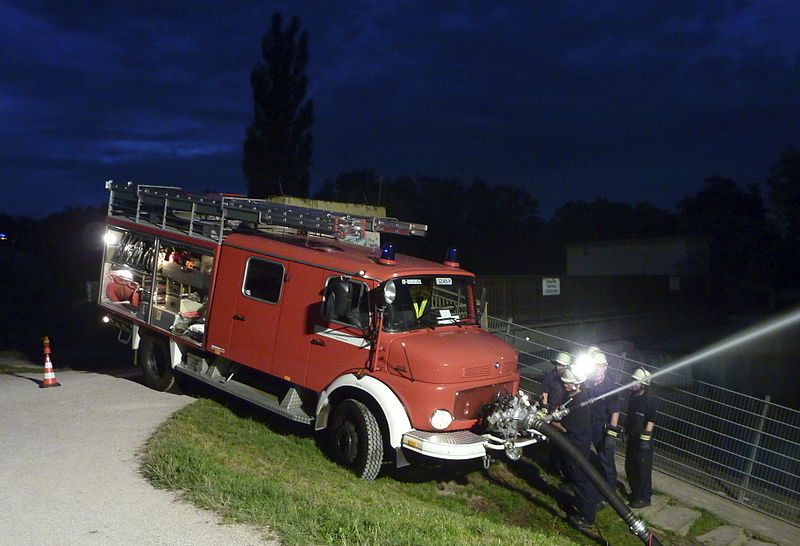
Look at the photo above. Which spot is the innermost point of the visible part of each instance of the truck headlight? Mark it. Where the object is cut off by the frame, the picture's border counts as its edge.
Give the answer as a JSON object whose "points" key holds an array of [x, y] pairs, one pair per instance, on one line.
{"points": [[441, 419]]}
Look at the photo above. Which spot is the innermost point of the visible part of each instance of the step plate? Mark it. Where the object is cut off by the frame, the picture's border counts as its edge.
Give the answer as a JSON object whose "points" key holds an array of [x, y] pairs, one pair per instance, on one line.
{"points": [[252, 395]]}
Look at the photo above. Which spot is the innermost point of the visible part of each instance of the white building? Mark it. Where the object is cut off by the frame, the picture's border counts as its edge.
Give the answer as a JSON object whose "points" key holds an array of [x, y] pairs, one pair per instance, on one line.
{"points": [[674, 256]]}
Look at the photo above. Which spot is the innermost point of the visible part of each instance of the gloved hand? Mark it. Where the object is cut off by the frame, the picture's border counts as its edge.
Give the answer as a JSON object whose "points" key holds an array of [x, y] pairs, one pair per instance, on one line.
{"points": [[612, 436], [645, 441]]}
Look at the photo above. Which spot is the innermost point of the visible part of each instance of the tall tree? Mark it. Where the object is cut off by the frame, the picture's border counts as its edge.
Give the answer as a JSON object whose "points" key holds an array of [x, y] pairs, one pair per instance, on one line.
{"points": [[277, 150]]}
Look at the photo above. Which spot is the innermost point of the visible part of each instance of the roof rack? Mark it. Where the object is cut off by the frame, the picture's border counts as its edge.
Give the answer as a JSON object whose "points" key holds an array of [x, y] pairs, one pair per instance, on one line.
{"points": [[213, 216]]}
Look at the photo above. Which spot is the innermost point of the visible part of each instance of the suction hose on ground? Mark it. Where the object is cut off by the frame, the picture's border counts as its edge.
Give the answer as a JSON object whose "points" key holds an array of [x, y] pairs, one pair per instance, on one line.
{"points": [[636, 525]]}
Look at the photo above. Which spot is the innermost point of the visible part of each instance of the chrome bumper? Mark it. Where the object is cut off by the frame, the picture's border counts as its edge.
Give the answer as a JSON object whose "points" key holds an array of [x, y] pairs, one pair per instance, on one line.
{"points": [[457, 445]]}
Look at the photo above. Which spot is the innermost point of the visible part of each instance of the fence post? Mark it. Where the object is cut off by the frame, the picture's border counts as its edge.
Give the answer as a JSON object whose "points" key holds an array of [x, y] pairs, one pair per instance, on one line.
{"points": [[754, 448], [508, 329]]}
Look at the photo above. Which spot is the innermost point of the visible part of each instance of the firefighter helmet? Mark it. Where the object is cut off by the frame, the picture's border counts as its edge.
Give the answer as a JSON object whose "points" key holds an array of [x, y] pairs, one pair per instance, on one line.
{"points": [[572, 375], [599, 359], [642, 376], [562, 359]]}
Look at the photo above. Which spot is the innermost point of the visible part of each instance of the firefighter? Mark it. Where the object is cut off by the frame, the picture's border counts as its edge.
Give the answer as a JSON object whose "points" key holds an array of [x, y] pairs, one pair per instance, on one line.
{"points": [[605, 420], [419, 299], [552, 392], [639, 427], [578, 430], [553, 395]]}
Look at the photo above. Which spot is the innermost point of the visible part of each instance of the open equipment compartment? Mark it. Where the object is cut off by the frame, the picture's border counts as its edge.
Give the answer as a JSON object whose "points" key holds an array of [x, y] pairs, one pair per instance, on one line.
{"points": [[157, 281]]}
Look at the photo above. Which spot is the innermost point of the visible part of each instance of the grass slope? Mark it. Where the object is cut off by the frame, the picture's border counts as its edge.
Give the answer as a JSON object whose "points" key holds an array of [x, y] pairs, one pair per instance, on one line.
{"points": [[257, 469]]}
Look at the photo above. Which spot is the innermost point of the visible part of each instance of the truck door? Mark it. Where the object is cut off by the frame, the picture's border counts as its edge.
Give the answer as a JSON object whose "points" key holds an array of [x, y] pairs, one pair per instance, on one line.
{"points": [[339, 342], [246, 308]]}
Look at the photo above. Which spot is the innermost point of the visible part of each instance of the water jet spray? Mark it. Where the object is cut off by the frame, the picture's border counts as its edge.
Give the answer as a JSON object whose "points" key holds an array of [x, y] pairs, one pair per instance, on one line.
{"points": [[726, 344]]}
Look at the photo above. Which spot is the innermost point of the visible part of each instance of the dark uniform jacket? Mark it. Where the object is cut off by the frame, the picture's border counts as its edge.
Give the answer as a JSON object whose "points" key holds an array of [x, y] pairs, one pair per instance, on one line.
{"points": [[551, 384], [641, 409], [578, 421], [603, 408]]}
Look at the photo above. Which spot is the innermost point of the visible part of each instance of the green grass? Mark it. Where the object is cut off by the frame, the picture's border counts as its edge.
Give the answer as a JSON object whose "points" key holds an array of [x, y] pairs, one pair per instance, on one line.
{"points": [[253, 468], [5, 368], [18, 367], [705, 523]]}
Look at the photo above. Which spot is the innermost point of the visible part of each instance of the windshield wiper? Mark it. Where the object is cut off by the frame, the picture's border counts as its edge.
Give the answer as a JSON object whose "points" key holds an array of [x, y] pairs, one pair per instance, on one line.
{"points": [[425, 320]]}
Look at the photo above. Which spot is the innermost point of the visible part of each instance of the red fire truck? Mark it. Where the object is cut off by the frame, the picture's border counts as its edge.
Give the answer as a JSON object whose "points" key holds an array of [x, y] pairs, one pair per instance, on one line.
{"points": [[301, 312]]}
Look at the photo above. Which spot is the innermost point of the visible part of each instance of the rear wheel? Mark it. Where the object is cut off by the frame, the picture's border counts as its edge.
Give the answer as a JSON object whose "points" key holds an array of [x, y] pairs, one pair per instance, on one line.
{"points": [[156, 367], [355, 439]]}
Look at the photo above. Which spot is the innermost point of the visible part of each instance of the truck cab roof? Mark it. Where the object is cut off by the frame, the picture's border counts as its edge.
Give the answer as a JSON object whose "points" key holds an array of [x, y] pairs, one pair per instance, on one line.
{"points": [[330, 253]]}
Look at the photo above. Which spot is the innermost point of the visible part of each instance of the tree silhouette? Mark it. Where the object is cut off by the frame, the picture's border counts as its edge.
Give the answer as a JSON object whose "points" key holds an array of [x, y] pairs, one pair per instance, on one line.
{"points": [[784, 196], [602, 219], [277, 150], [493, 226], [784, 190], [357, 186], [744, 241]]}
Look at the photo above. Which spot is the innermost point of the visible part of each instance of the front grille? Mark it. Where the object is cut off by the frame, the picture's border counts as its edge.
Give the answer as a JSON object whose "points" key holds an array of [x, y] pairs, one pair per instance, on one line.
{"points": [[470, 402], [489, 370]]}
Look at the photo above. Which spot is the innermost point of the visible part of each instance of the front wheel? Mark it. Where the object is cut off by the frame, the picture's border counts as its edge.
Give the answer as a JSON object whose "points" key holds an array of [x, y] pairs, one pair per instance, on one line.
{"points": [[156, 367], [355, 439]]}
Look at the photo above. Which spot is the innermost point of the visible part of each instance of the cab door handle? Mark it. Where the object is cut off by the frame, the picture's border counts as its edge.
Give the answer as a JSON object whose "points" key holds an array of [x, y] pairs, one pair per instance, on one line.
{"points": [[316, 341], [238, 317]]}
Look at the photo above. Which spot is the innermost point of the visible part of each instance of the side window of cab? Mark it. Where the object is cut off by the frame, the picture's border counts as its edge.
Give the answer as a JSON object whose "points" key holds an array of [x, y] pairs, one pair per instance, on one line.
{"points": [[263, 280], [346, 301]]}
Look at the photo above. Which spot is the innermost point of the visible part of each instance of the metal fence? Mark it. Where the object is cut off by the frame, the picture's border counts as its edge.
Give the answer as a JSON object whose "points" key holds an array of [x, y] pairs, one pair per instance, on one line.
{"points": [[737, 446]]}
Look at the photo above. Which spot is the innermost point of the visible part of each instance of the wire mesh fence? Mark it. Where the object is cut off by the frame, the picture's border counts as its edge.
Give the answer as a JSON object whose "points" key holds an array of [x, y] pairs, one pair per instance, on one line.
{"points": [[740, 447]]}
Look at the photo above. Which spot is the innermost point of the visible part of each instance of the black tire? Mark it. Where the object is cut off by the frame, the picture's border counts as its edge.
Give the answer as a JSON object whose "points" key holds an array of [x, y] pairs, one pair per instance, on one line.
{"points": [[355, 439], [154, 360]]}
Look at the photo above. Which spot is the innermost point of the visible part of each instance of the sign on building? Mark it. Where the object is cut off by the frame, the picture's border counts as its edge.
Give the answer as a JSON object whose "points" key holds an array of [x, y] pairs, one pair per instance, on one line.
{"points": [[551, 286]]}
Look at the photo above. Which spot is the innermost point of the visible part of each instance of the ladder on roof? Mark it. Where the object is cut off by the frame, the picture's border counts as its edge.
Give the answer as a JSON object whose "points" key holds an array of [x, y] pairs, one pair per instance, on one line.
{"points": [[212, 216]]}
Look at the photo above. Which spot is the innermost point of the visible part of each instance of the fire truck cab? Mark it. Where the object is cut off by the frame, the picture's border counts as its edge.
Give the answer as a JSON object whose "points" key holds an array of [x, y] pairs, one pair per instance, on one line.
{"points": [[296, 311]]}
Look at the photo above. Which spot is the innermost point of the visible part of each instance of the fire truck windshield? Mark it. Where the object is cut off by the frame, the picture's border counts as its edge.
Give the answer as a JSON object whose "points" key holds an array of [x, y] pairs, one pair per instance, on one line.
{"points": [[430, 301]]}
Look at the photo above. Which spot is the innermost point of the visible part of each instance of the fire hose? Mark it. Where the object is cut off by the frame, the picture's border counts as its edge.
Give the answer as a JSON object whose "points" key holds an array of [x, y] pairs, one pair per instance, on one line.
{"points": [[526, 418], [635, 524]]}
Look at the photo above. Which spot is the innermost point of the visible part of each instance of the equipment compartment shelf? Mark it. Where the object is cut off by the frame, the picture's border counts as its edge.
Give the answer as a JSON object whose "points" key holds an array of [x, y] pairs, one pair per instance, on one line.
{"points": [[194, 277]]}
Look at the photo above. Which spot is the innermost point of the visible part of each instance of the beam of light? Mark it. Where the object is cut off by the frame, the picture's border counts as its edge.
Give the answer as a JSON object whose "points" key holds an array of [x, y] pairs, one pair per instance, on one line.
{"points": [[730, 342]]}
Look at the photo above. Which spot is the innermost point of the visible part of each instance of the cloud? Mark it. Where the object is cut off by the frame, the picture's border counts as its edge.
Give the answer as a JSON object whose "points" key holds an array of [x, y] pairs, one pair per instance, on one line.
{"points": [[569, 100]]}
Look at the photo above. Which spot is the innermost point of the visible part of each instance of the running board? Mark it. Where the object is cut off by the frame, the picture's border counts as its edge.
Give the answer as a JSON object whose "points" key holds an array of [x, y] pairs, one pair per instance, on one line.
{"points": [[289, 407]]}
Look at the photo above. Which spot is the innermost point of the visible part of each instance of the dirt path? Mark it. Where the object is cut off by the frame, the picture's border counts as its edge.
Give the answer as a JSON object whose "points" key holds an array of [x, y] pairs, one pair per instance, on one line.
{"points": [[70, 471]]}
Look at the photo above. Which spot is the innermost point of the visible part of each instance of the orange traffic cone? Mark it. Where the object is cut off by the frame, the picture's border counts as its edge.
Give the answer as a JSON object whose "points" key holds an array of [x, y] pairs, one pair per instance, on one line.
{"points": [[49, 374]]}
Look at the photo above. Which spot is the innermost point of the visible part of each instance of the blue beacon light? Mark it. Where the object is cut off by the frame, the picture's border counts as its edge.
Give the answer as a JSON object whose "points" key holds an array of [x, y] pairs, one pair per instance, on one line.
{"points": [[387, 254], [452, 257]]}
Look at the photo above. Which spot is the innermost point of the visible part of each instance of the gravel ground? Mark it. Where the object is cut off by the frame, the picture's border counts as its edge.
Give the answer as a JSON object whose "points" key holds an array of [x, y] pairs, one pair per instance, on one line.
{"points": [[70, 469]]}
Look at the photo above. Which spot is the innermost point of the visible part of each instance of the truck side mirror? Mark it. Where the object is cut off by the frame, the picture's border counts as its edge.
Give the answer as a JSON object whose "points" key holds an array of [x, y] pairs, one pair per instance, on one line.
{"points": [[341, 297]]}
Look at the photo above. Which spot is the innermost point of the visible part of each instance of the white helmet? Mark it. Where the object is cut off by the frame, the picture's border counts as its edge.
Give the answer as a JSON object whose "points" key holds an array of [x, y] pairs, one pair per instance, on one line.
{"points": [[572, 375], [641, 375], [562, 359], [599, 359]]}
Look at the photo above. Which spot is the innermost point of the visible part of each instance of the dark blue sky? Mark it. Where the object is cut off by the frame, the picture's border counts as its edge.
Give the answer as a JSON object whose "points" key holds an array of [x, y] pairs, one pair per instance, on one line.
{"points": [[631, 101]]}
